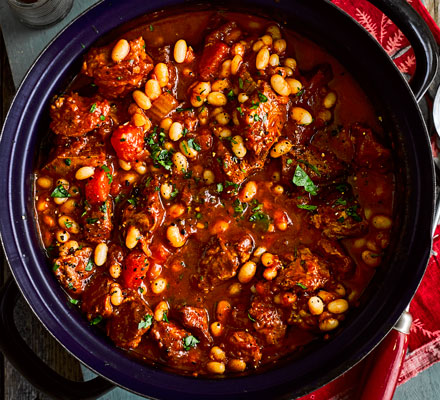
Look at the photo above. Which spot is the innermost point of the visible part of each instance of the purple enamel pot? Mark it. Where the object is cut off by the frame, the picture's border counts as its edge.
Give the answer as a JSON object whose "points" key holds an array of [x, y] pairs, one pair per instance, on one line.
{"points": [[388, 294]]}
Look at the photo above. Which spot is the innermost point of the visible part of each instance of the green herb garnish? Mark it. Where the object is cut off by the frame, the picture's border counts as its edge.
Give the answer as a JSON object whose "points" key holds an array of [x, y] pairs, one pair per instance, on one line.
{"points": [[190, 341], [146, 321], [300, 178], [60, 191]]}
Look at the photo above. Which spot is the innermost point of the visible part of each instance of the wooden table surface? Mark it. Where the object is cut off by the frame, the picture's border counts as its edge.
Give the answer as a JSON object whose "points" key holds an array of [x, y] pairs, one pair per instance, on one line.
{"points": [[425, 386]]}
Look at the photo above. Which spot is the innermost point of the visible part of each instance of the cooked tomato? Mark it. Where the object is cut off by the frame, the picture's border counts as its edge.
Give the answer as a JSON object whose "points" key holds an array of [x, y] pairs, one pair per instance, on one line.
{"points": [[98, 187], [128, 142], [135, 269]]}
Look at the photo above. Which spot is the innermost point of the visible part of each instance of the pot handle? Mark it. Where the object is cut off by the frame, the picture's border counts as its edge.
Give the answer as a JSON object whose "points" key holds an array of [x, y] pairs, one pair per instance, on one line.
{"points": [[32, 367], [422, 41]]}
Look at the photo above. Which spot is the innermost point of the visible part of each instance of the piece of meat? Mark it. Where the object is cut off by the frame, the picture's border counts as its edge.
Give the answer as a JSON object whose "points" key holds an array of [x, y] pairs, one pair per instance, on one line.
{"points": [[242, 345], [196, 319], [341, 216], [227, 33], [74, 270], [97, 221], [117, 79], [161, 107], [262, 118], [235, 169], [72, 153], [333, 251], [96, 298], [212, 57], [306, 272], [337, 140], [321, 167], [171, 339], [369, 153], [129, 323], [221, 260], [268, 321], [74, 115]]}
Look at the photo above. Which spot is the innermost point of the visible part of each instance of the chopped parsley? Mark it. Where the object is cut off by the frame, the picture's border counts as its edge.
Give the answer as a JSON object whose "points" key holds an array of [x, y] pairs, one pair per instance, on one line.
{"points": [[307, 207], [301, 285], [175, 192], [92, 221], [55, 266], [311, 166], [103, 207], [181, 109], [93, 108], [234, 186], [148, 181], [159, 155], [60, 191], [219, 187], [300, 178], [262, 97], [146, 321], [250, 317], [74, 301], [239, 207], [342, 187], [258, 215], [89, 265], [352, 212], [230, 95], [132, 201], [240, 83], [102, 117], [165, 317], [190, 341], [68, 224], [151, 27], [96, 320], [340, 220], [193, 145], [240, 111], [109, 175], [340, 202], [68, 161]]}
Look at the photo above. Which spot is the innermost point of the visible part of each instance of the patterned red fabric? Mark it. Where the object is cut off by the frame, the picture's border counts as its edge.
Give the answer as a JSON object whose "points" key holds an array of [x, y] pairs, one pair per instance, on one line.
{"points": [[424, 338]]}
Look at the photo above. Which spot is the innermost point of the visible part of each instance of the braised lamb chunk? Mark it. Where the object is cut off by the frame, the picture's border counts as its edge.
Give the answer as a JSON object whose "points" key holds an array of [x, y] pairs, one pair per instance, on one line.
{"points": [[212, 57], [227, 33], [242, 345], [369, 152], [235, 169], [72, 153], [179, 346], [341, 215], [268, 321], [338, 141], [145, 210], [196, 319], [333, 251], [262, 118], [306, 272], [117, 79], [129, 323], [321, 167], [221, 260], [97, 221], [74, 115], [74, 269], [96, 297]]}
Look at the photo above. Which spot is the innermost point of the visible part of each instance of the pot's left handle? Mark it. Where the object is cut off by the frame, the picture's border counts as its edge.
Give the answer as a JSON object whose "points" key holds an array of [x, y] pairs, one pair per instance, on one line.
{"points": [[32, 367]]}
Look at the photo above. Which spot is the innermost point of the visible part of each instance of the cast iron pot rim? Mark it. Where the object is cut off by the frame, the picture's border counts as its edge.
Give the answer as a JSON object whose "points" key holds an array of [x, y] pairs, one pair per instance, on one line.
{"points": [[88, 347]]}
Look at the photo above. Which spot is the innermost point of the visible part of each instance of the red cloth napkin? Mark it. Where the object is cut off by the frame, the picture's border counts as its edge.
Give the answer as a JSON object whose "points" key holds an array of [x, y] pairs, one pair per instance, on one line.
{"points": [[424, 338]]}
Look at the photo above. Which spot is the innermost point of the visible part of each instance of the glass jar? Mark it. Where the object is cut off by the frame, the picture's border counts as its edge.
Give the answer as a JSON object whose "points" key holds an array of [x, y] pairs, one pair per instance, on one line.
{"points": [[40, 13]]}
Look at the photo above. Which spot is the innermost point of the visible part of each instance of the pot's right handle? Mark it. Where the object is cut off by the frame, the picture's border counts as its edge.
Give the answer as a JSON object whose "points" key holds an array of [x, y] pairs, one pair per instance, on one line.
{"points": [[422, 41], [32, 367]]}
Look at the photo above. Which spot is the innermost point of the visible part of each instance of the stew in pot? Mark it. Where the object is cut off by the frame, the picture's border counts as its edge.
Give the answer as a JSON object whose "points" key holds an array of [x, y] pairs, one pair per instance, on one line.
{"points": [[215, 193]]}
